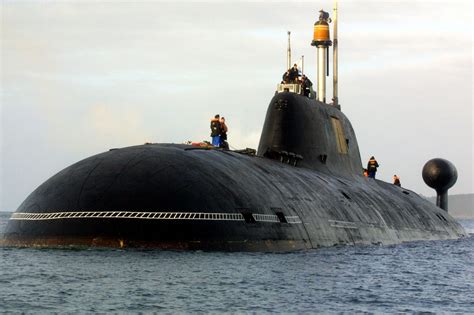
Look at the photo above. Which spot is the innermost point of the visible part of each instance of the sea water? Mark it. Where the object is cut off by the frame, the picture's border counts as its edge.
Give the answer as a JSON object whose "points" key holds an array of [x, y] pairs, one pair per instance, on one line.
{"points": [[436, 276]]}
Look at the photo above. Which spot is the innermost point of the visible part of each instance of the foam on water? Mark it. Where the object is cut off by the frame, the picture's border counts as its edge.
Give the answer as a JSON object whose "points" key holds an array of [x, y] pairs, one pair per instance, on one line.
{"points": [[414, 277], [468, 225]]}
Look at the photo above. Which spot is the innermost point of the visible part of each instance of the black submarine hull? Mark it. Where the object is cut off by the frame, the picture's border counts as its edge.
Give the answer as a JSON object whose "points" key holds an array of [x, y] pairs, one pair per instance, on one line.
{"points": [[166, 196], [174, 196]]}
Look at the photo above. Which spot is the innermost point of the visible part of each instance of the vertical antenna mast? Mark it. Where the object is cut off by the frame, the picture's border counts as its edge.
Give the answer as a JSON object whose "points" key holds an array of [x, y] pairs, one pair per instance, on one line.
{"points": [[288, 63], [335, 98], [302, 64]]}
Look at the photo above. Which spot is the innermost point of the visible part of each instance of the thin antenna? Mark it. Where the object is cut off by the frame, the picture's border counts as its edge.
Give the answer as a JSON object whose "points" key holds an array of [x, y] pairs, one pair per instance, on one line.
{"points": [[289, 52], [327, 62], [335, 98], [302, 64]]}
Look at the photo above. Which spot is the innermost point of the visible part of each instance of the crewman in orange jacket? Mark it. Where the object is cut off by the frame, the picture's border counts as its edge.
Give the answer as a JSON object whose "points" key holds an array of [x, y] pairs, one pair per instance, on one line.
{"points": [[366, 173], [396, 180]]}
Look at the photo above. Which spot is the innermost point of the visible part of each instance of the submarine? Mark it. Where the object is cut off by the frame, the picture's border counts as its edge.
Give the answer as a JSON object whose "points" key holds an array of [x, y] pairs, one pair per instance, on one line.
{"points": [[303, 188]]}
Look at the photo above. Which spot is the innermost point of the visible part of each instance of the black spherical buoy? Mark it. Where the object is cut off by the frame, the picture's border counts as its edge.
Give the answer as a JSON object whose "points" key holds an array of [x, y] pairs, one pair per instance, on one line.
{"points": [[440, 174]]}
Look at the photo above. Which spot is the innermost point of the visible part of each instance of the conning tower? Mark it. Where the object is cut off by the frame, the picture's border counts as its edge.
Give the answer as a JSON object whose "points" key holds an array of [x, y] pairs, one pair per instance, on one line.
{"points": [[307, 132]]}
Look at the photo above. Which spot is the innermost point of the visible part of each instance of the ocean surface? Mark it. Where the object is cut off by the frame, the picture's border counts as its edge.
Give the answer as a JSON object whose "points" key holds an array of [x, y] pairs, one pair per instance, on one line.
{"points": [[430, 277]]}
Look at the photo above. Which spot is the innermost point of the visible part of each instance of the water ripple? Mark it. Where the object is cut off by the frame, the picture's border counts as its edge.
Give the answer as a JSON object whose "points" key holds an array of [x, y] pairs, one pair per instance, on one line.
{"points": [[419, 277]]}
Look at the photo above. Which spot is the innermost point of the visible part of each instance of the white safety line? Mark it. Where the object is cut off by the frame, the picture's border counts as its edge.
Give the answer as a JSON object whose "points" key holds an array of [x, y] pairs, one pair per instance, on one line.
{"points": [[149, 215]]}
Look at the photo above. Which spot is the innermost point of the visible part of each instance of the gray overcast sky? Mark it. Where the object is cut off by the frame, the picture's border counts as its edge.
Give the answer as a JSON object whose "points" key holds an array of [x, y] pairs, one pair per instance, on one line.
{"points": [[80, 77]]}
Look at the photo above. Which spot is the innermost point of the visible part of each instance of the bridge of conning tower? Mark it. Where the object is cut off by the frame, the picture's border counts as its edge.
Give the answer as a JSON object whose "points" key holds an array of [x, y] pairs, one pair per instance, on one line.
{"points": [[296, 88]]}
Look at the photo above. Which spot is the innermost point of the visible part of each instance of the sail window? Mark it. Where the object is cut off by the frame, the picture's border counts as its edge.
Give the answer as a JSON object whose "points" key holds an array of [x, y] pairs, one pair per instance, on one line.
{"points": [[340, 139]]}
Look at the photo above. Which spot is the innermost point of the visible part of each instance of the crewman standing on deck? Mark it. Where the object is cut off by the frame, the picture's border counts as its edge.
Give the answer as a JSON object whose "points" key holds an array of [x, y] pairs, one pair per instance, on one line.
{"points": [[396, 180], [216, 130], [223, 139], [372, 166], [366, 173]]}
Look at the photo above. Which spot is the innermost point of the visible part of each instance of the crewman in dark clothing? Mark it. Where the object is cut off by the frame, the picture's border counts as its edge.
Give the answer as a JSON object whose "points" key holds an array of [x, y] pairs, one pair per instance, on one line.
{"points": [[306, 84], [223, 135], [285, 77], [216, 130], [372, 167], [396, 181], [293, 74]]}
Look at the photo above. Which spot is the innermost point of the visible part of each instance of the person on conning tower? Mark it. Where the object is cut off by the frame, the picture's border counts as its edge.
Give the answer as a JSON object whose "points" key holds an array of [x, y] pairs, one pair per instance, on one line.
{"points": [[284, 79], [306, 84], [293, 74]]}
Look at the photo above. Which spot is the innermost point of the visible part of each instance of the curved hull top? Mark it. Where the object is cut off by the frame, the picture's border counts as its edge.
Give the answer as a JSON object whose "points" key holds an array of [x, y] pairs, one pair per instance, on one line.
{"points": [[177, 196]]}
